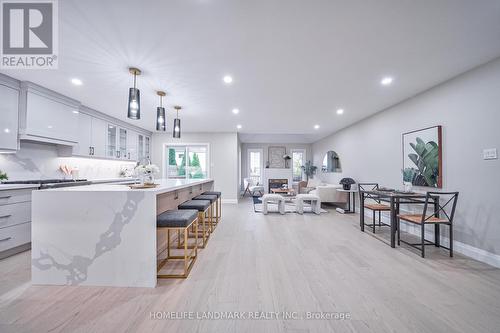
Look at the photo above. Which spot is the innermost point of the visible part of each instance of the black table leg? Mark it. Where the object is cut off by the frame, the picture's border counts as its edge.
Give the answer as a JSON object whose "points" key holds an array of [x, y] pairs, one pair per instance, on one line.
{"points": [[362, 211], [393, 223], [353, 202], [348, 202], [437, 235]]}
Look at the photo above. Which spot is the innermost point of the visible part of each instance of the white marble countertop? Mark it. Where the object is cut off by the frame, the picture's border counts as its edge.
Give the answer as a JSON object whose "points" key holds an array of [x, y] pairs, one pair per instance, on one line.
{"points": [[17, 186], [112, 180], [164, 185]]}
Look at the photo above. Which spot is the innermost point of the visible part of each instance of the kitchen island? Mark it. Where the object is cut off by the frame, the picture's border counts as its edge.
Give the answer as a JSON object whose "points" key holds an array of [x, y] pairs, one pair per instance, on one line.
{"points": [[103, 234]]}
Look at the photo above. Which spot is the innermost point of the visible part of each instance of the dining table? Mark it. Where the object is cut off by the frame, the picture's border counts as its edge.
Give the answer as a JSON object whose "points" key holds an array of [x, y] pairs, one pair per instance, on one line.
{"points": [[396, 198]]}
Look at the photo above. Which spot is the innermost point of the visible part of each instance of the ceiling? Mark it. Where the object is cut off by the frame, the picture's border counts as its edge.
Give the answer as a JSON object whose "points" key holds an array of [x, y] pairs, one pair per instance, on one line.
{"points": [[293, 62]]}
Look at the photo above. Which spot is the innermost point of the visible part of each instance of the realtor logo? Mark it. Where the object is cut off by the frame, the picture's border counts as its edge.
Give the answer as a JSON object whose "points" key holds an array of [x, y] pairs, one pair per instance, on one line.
{"points": [[29, 34]]}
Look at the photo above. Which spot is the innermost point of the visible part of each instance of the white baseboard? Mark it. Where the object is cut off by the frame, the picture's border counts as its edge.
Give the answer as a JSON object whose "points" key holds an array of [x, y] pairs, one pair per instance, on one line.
{"points": [[230, 201], [462, 248]]}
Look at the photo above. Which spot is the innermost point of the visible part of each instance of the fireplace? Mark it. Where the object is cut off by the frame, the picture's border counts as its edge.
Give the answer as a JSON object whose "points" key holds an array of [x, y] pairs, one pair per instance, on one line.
{"points": [[277, 183]]}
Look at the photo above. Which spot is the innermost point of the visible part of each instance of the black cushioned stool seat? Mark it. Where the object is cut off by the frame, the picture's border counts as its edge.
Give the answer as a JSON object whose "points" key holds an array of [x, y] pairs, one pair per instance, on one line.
{"points": [[202, 206], [218, 194], [199, 205], [211, 197], [176, 218]]}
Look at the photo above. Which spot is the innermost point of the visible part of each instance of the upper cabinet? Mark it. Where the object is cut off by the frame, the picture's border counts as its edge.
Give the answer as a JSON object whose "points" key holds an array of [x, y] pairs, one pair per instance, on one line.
{"points": [[132, 144], [47, 116], [91, 136], [31, 112], [9, 98], [147, 147]]}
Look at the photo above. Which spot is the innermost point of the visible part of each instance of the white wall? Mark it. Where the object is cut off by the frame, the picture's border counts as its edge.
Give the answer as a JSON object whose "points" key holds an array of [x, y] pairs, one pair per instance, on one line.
{"points": [[468, 108], [41, 161], [265, 147], [223, 157]]}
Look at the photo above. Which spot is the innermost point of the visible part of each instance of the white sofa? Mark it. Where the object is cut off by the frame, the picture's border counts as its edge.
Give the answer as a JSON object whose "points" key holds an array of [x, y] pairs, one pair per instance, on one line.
{"points": [[328, 193]]}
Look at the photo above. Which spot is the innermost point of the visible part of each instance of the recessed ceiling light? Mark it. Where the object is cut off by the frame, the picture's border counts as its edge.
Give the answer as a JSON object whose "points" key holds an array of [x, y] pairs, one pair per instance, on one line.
{"points": [[340, 111], [76, 82], [316, 126], [236, 111], [75, 112], [227, 79], [386, 81], [6, 130], [238, 126], [49, 127]]}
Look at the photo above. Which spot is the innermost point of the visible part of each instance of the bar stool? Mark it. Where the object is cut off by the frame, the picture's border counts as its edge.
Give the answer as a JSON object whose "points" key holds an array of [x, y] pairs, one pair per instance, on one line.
{"points": [[179, 220], [218, 207], [213, 200], [203, 207]]}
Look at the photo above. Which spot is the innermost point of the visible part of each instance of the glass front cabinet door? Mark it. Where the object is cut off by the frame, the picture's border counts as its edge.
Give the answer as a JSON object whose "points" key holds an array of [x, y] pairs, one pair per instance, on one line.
{"points": [[122, 151], [111, 150]]}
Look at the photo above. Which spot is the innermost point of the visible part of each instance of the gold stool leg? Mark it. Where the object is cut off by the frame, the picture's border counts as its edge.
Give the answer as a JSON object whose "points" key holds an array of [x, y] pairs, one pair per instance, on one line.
{"points": [[185, 252]]}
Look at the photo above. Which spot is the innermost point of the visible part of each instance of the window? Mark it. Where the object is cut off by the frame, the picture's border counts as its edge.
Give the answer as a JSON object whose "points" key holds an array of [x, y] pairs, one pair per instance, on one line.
{"points": [[298, 160], [186, 161], [255, 164]]}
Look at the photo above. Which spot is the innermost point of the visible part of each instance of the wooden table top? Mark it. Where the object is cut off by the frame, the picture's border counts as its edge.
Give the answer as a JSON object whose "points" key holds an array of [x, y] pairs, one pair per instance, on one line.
{"points": [[282, 190]]}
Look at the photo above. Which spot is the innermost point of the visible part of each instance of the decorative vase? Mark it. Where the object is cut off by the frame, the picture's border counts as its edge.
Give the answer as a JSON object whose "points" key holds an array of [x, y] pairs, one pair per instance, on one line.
{"points": [[408, 186], [148, 179]]}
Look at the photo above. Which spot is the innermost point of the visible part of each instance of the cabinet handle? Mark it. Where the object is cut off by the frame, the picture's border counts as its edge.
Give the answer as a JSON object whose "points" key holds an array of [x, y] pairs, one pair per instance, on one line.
{"points": [[90, 150], [129, 156], [117, 154], [5, 216], [5, 197], [93, 151], [5, 239]]}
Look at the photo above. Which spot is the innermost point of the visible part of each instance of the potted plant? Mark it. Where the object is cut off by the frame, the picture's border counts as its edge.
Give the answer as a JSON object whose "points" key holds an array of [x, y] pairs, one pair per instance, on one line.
{"points": [[309, 169], [346, 183], [3, 175], [409, 175]]}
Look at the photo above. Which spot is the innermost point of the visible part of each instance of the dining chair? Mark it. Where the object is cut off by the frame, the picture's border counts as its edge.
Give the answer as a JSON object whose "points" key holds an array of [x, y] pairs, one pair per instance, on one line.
{"points": [[375, 205], [442, 214]]}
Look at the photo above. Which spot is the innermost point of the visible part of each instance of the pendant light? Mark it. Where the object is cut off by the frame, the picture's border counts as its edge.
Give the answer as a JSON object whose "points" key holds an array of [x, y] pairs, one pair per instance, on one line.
{"points": [[161, 121], [177, 123], [134, 97]]}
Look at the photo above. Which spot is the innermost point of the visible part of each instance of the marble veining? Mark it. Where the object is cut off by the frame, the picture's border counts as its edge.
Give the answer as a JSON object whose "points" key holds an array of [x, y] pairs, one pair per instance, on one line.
{"points": [[76, 270]]}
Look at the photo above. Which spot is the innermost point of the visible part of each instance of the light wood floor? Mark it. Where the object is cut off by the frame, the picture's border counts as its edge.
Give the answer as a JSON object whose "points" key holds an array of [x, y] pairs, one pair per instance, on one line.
{"points": [[274, 263]]}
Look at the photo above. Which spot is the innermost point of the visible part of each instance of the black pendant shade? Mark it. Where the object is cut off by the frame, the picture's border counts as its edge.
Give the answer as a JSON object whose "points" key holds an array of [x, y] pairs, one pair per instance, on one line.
{"points": [[161, 124], [177, 124], [134, 104], [161, 120], [134, 98]]}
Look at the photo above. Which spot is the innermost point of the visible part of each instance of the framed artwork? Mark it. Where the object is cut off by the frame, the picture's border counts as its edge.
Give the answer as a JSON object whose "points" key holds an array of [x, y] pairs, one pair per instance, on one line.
{"points": [[275, 157], [422, 157]]}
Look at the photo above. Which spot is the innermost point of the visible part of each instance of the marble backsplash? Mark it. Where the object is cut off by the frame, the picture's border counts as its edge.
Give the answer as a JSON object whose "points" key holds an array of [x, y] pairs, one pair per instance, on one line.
{"points": [[41, 161]]}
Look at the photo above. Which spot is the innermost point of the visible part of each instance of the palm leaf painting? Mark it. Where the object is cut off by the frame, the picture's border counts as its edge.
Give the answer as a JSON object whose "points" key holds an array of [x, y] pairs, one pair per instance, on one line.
{"points": [[422, 155]]}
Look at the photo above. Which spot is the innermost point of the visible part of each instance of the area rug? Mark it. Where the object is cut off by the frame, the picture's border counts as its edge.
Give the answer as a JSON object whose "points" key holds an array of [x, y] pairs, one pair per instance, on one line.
{"points": [[289, 207]]}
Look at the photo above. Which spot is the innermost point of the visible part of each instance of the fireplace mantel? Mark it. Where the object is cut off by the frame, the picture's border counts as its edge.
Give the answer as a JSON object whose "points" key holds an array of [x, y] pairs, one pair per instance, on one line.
{"points": [[276, 174]]}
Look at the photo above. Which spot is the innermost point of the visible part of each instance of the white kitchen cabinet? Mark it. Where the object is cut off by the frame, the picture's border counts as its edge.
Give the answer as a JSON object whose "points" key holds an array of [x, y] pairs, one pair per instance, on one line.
{"points": [[111, 139], [15, 221], [98, 137], [122, 143], [9, 105], [140, 147], [50, 120], [91, 136], [132, 144], [147, 147], [84, 146]]}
